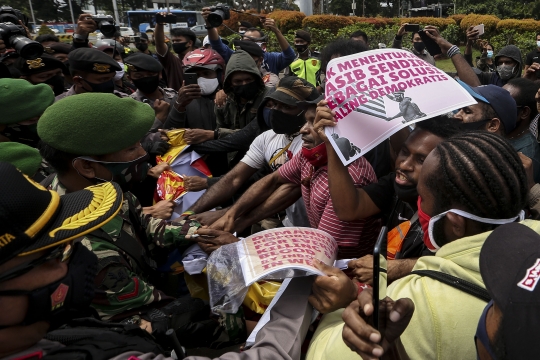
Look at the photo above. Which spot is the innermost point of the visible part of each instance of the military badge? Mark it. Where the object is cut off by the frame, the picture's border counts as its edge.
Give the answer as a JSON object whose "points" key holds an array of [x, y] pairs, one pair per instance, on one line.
{"points": [[35, 64], [48, 50], [314, 62], [102, 68]]}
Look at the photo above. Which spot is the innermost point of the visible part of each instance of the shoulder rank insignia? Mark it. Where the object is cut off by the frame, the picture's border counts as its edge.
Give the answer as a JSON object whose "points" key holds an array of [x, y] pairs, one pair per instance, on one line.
{"points": [[102, 68], [35, 64]]}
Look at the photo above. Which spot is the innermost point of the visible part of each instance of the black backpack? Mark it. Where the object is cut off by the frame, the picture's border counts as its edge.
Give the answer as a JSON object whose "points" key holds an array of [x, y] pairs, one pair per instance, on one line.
{"points": [[91, 339]]}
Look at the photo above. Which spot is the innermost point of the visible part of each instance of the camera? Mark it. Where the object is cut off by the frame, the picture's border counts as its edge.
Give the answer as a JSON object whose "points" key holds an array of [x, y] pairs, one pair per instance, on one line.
{"points": [[219, 13], [167, 19], [15, 36], [105, 24]]}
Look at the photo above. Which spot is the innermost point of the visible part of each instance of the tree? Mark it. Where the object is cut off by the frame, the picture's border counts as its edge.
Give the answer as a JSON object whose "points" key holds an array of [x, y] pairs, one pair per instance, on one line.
{"points": [[45, 30]]}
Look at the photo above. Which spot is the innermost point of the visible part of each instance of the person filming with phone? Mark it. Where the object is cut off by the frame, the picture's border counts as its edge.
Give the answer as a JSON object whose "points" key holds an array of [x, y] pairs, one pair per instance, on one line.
{"points": [[419, 48]]}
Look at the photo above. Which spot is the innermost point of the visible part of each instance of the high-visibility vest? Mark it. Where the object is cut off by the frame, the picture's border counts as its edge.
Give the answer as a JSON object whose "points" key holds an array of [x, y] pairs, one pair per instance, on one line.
{"points": [[306, 69]]}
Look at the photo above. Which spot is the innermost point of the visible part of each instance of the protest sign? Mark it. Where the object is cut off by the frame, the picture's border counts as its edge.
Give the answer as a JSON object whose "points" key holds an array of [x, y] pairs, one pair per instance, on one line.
{"points": [[377, 93], [280, 249]]}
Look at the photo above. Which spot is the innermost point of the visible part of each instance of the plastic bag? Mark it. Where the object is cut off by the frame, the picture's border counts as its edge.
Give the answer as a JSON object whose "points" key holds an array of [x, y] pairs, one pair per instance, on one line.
{"points": [[226, 285]]}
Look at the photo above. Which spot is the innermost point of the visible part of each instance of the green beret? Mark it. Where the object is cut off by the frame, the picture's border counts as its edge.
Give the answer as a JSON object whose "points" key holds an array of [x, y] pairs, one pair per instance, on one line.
{"points": [[58, 48], [23, 157], [95, 123], [20, 100], [93, 61], [142, 62], [41, 64]]}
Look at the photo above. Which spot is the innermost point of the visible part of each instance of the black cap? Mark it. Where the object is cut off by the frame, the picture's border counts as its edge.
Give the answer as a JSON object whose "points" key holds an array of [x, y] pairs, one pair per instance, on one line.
{"points": [[292, 89], [304, 105], [58, 48], [142, 62], [304, 35], [245, 24], [510, 268], [93, 61], [144, 36], [252, 48], [41, 64], [33, 218]]}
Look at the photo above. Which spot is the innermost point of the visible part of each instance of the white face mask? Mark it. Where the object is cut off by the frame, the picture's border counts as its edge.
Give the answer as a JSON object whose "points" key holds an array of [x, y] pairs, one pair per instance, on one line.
{"points": [[467, 215], [208, 86], [119, 74]]}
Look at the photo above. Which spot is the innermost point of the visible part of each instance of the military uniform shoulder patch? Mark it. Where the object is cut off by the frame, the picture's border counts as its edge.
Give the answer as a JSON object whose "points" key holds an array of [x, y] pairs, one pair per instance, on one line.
{"points": [[102, 68]]}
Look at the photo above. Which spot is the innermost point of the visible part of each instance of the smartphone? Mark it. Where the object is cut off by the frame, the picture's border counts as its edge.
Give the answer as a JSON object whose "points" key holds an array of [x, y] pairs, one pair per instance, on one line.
{"points": [[412, 28], [431, 45], [190, 78], [480, 29], [167, 19], [380, 280]]}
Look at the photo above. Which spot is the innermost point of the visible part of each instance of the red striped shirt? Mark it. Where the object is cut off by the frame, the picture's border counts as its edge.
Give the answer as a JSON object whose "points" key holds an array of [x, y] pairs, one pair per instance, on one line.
{"points": [[355, 238]]}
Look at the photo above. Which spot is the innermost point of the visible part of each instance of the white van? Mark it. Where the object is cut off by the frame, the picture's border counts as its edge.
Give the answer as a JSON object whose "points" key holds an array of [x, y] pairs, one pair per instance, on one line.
{"points": [[126, 31]]}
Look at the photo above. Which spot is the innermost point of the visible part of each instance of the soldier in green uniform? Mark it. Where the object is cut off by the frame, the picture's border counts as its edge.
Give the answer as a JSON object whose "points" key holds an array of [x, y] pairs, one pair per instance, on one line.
{"points": [[22, 105], [92, 71], [92, 138]]}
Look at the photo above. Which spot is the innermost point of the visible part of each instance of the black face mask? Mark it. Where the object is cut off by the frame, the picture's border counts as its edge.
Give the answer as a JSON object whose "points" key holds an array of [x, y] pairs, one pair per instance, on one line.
{"points": [[24, 134], [147, 85], [67, 298], [106, 87], [419, 46], [471, 126], [179, 47], [283, 123], [247, 91], [300, 48], [141, 47], [57, 83], [408, 194]]}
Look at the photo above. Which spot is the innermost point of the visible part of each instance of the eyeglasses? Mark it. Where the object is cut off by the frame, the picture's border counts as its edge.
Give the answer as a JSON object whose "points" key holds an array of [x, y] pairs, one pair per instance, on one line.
{"points": [[62, 252]]}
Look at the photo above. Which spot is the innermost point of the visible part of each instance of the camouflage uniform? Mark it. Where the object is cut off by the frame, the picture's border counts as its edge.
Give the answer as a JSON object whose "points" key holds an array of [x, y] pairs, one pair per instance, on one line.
{"points": [[122, 287]]}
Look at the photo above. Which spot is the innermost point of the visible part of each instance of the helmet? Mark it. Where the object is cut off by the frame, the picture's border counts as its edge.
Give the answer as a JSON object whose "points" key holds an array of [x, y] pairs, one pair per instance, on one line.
{"points": [[204, 58], [105, 44]]}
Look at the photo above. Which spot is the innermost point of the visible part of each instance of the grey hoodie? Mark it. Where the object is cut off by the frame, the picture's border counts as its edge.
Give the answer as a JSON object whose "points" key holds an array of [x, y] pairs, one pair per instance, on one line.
{"points": [[233, 116], [493, 78]]}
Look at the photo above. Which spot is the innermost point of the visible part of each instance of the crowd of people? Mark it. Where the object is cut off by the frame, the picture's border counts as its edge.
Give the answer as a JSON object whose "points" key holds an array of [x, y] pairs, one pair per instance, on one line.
{"points": [[89, 258]]}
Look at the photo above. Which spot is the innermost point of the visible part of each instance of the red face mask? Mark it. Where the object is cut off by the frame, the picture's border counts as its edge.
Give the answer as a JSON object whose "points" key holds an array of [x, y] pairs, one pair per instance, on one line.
{"points": [[424, 218], [316, 156]]}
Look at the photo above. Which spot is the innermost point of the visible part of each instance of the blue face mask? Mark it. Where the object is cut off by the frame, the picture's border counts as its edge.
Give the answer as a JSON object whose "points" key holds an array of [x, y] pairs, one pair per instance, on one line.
{"points": [[481, 332], [266, 116], [490, 54]]}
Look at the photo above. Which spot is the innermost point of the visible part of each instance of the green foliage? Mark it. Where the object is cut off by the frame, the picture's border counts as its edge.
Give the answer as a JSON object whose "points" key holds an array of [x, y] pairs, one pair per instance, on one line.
{"points": [[452, 33], [525, 41], [375, 35], [287, 20], [44, 30]]}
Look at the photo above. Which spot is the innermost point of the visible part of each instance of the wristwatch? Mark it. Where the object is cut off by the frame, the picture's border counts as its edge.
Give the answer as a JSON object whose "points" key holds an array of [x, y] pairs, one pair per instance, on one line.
{"points": [[80, 37]]}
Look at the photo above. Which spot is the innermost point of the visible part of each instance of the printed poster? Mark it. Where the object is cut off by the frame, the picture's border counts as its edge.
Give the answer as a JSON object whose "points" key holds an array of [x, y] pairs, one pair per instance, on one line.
{"points": [[279, 249], [377, 93]]}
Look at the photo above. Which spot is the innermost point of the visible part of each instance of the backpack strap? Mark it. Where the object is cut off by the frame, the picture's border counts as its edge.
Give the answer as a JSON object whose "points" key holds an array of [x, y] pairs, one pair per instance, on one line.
{"points": [[47, 181], [456, 283]]}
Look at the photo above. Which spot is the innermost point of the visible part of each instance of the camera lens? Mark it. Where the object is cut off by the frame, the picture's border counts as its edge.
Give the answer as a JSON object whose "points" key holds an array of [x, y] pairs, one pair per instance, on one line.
{"points": [[107, 28], [28, 49], [216, 18]]}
